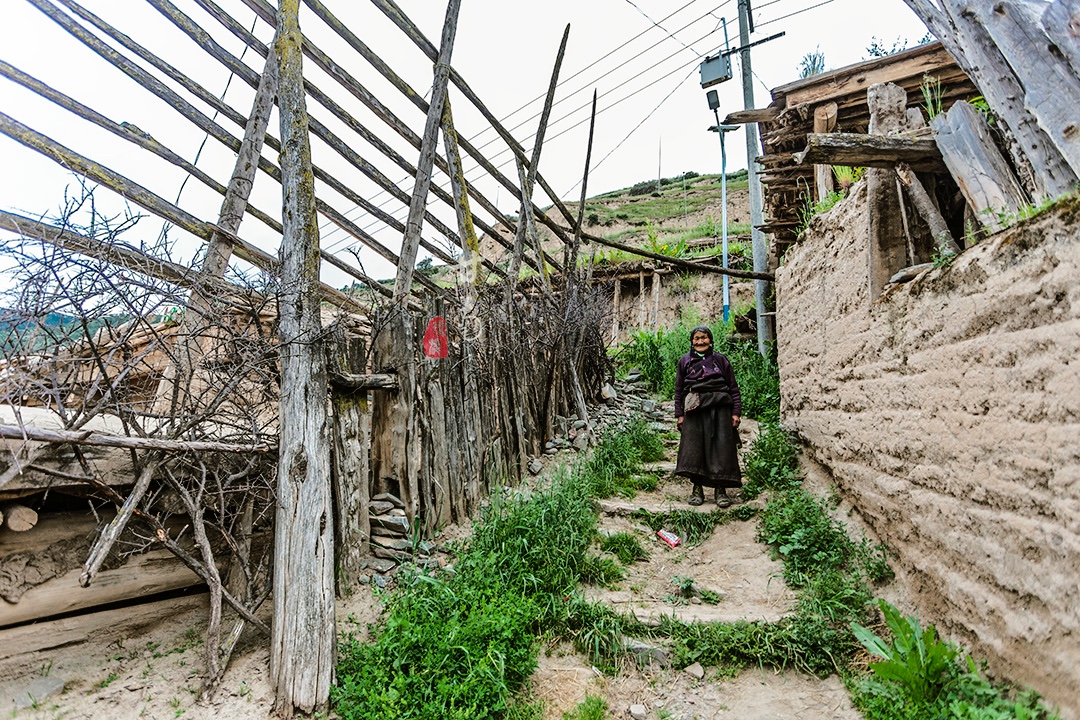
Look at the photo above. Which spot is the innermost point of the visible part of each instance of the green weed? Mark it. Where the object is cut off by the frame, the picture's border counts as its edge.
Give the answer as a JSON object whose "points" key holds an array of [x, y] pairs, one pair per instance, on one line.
{"points": [[772, 462], [591, 708], [624, 546]]}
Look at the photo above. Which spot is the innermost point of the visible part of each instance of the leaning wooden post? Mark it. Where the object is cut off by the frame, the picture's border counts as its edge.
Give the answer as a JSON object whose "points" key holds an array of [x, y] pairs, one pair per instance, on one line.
{"points": [[470, 244], [302, 649], [411, 243], [219, 248]]}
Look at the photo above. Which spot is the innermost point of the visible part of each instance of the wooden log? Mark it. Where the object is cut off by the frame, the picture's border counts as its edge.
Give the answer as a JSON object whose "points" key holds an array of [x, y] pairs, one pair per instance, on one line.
{"points": [[981, 172], [351, 458], [655, 299], [392, 352], [1041, 164], [97, 628], [678, 262], [189, 112], [411, 243], [302, 644], [146, 574], [111, 533], [870, 151], [126, 131], [910, 273], [939, 230], [824, 122], [470, 244], [152, 202], [18, 518], [1050, 83], [86, 437], [615, 312], [888, 248]]}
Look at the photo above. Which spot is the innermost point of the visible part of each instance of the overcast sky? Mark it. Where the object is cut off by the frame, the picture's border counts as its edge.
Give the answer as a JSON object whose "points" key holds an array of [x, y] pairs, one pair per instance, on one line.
{"points": [[641, 56]]}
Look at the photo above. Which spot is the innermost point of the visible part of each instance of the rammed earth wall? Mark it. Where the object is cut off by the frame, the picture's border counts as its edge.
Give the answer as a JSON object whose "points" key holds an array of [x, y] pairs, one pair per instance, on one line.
{"points": [[948, 410]]}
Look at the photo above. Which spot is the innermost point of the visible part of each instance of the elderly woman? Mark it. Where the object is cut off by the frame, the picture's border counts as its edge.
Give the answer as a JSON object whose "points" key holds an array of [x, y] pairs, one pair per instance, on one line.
{"points": [[707, 408]]}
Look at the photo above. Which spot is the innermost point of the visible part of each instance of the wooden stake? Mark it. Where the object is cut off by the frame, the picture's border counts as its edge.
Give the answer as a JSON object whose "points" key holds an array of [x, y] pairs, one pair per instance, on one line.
{"points": [[411, 242]]}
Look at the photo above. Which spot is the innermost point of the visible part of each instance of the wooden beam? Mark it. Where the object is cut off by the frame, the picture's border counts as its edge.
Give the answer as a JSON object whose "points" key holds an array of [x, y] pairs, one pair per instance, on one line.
{"points": [[154, 203], [86, 437], [411, 242], [870, 151], [369, 381], [759, 115]]}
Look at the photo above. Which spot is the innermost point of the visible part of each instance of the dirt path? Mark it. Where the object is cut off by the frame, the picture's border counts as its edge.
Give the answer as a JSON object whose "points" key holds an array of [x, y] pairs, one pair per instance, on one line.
{"points": [[156, 674]]}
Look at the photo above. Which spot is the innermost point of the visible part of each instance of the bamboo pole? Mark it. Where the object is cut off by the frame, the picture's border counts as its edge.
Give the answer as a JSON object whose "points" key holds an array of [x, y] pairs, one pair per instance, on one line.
{"points": [[411, 242]]}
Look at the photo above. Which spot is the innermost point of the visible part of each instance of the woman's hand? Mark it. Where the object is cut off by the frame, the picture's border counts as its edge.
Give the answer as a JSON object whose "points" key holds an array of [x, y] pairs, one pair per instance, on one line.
{"points": [[735, 420], [678, 421]]}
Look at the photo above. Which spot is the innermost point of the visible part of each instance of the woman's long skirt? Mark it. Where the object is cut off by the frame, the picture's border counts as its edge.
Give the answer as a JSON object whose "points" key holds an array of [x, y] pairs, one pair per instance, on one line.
{"points": [[707, 448]]}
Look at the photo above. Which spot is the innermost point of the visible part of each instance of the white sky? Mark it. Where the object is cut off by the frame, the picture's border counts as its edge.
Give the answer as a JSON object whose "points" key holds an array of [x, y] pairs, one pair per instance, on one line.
{"points": [[652, 112]]}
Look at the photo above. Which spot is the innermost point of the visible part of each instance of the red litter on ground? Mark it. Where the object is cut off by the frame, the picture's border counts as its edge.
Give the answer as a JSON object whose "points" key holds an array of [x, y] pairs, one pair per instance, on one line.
{"points": [[435, 342], [669, 537]]}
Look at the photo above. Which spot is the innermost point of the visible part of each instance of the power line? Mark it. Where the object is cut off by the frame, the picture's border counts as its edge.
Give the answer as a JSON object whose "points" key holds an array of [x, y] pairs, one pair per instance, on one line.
{"points": [[658, 25], [792, 14]]}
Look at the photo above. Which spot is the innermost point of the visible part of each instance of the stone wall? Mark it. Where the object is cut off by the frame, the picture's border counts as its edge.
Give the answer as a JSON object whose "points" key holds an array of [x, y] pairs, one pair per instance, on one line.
{"points": [[948, 411]]}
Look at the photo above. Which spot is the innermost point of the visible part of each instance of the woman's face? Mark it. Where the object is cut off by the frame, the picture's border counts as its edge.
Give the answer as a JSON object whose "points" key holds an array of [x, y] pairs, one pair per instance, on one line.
{"points": [[700, 342]]}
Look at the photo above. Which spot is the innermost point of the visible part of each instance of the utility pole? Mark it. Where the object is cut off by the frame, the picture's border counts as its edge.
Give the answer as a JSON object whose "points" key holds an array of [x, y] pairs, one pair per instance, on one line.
{"points": [[761, 248]]}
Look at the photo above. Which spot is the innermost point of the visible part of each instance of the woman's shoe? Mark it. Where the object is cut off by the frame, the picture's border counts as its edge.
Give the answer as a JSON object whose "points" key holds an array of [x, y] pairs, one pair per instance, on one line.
{"points": [[697, 497], [721, 499]]}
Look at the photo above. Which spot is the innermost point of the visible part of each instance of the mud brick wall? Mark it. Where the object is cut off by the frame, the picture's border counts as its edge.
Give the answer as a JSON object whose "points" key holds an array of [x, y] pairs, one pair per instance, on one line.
{"points": [[949, 412]]}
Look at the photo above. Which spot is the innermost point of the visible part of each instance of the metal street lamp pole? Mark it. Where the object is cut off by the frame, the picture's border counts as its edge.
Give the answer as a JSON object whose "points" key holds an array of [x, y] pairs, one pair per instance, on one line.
{"points": [[720, 130]]}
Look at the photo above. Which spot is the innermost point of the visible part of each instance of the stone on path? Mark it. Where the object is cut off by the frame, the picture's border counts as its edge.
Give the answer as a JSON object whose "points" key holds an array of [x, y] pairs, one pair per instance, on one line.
{"points": [[639, 712], [36, 691], [535, 466], [695, 670]]}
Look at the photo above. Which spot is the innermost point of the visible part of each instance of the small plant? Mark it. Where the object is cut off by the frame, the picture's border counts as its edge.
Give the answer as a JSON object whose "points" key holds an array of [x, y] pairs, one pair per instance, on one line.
{"points": [[877, 47], [591, 708], [112, 677], [812, 63], [624, 546], [943, 258], [932, 94], [811, 208], [915, 658], [846, 176], [601, 571]]}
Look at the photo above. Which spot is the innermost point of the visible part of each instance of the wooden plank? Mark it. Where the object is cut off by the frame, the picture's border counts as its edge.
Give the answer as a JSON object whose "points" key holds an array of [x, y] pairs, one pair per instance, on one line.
{"points": [[871, 151], [743, 117], [824, 122], [303, 634], [86, 437], [392, 351], [411, 243], [981, 172], [1041, 165], [99, 628], [364, 381], [1051, 85], [147, 574]]}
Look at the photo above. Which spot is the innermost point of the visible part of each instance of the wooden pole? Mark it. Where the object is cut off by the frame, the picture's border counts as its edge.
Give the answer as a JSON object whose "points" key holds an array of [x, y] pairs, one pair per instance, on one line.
{"points": [[824, 122], [411, 242], [470, 244], [302, 651]]}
